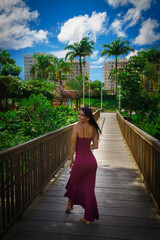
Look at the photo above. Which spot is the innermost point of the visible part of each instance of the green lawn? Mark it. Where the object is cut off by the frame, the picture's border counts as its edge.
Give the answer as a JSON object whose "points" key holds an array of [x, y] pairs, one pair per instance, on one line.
{"points": [[108, 105]]}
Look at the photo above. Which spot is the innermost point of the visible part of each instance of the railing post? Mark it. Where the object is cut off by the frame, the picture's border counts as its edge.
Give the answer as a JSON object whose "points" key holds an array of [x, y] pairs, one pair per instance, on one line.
{"points": [[25, 169], [146, 152], [17, 184]]}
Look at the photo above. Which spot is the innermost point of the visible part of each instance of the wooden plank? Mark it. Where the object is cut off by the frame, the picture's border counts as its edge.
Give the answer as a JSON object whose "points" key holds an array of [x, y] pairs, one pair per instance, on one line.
{"points": [[109, 220], [80, 229], [49, 236], [126, 211]]}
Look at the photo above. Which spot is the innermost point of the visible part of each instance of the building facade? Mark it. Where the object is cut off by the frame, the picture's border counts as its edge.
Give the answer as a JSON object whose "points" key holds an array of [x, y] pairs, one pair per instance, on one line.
{"points": [[76, 68], [109, 84], [29, 61]]}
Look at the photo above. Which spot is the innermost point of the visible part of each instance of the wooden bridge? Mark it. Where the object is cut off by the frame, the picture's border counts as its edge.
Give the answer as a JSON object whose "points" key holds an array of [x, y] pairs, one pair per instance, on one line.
{"points": [[125, 206]]}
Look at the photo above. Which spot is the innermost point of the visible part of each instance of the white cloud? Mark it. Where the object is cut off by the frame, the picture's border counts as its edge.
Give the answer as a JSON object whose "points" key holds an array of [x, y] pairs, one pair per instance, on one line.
{"points": [[147, 35], [132, 16], [100, 60], [94, 55], [141, 4], [131, 54], [14, 25], [96, 66], [76, 28], [60, 53], [116, 3], [117, 28]]}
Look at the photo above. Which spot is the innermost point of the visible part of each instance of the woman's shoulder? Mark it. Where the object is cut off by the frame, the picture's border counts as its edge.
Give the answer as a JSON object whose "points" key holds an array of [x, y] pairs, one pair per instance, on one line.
{"points": [[76, 126]]}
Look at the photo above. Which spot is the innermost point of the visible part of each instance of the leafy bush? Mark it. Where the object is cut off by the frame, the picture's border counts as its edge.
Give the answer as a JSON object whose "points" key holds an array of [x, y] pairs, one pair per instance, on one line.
{"points": [[149, 123], [34, 118], [10, 69], [38, 86]]}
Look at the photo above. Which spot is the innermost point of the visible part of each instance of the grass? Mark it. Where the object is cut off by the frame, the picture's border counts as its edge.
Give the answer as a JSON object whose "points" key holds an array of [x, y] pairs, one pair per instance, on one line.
{"points": [[107, 105]]}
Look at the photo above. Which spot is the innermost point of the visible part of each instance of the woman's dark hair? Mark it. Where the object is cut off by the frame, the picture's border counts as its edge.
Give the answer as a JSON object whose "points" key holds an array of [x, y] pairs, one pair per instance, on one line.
{"points": [[88, 113]]}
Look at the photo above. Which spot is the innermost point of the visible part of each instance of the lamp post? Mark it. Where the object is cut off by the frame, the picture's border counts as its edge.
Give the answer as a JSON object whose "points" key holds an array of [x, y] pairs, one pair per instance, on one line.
{"points": [[119, 96], [89, 93], [102, 90], [84, 80]]}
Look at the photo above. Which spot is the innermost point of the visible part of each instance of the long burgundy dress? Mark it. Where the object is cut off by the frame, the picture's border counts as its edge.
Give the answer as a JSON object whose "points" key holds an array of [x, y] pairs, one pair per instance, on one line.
{"points": [[81, 184]]}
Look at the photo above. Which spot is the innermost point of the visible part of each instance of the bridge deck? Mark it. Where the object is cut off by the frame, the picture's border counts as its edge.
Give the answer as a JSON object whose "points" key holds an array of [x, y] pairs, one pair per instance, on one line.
{"points": [[126, 211]]}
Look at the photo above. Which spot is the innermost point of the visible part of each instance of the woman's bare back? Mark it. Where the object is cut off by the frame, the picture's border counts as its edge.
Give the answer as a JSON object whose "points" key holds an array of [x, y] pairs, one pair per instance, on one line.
{"points": [[85, 130]]}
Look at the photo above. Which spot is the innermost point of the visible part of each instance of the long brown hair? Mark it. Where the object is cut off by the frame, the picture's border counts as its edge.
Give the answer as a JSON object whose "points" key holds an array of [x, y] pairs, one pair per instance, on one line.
{"points": [[88, 113]]}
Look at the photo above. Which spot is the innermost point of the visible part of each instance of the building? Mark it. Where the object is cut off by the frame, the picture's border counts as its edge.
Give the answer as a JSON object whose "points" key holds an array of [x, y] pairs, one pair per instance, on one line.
{"points": [[109, 84], [29, 61], [76, 68]]}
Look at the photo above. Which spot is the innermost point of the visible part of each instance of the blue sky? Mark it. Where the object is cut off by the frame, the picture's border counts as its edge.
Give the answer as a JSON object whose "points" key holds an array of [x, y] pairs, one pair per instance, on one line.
{"points": [[29, 26]]}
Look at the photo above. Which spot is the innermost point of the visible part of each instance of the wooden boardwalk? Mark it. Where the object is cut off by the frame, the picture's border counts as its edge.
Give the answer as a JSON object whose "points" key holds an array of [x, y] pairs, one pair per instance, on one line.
{"points": [[126, 211]]}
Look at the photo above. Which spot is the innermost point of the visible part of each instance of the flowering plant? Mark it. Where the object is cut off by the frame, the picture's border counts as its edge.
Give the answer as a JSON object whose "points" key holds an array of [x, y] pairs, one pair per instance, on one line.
{"points": [[62, 94]]}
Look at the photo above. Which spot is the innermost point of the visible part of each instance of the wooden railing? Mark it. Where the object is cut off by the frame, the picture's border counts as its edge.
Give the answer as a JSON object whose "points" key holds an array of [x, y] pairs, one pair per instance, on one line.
{"points": [[26, 169], [146, 152]]}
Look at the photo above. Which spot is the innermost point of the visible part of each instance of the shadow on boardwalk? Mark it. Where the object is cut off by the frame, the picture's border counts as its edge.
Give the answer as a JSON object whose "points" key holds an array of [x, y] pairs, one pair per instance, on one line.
{"points": [[125, 207]]}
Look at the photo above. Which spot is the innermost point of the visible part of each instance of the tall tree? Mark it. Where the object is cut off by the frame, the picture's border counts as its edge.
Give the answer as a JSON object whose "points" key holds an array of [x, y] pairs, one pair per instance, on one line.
{"points": [[80, 49], [42, 64], [76, 84], [147, 64], [5, 57], [60, 67], [116, 48], [112, 75]]}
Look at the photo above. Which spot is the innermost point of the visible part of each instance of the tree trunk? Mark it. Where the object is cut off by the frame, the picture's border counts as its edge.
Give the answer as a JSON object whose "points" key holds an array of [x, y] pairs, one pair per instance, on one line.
{"points": [[1, 105], [77, 103], [6, 104], [80, 64], [116, 74], [60, 79]]}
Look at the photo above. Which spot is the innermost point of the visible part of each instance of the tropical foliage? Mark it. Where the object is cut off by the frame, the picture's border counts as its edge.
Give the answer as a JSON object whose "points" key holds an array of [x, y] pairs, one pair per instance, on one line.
{"points": [[5, 57], [42, 63], [59, 70], [116, 48], [76, 85], [140, 90], [38, 86], [96, 85], [80, 49], [34, 118], [10, 69]]}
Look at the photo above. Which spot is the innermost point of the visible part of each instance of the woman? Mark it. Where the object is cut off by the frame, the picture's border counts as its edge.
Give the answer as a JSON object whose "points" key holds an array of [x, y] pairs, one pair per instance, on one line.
{"points": [[81, 184]]}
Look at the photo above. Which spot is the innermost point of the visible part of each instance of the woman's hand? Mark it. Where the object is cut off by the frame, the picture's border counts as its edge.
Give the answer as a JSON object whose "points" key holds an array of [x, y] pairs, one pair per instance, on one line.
{"points": [[71, 164]]}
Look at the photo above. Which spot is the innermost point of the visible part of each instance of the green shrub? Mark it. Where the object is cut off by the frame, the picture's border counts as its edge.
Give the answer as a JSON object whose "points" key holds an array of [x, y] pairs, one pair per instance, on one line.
{"points": [[34, 118], [148, 124]]}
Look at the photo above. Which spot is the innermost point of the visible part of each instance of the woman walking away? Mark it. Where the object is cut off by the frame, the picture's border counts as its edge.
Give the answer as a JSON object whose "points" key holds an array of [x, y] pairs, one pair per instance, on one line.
{"points": [[81, 184]]}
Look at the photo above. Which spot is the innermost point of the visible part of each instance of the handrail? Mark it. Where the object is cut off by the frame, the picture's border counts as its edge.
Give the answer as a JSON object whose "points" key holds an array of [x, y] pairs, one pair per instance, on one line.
{"points": [[27, 168], [146, 152]]}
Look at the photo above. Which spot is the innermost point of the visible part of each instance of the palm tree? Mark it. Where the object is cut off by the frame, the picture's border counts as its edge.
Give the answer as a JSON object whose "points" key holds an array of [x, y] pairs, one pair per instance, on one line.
{"points": [[60, 67], [76, 84], [43, 62], [116, 48], [112, 75], [80, 49]]}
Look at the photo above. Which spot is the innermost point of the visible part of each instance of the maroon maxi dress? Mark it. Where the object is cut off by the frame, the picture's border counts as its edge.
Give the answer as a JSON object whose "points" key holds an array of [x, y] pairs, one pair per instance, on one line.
{"points": [[81, 184]]}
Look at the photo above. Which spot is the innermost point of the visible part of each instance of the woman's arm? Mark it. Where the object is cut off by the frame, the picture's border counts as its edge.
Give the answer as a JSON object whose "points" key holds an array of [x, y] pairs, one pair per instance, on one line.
{"points": [[95, 141], [73, 144]]}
